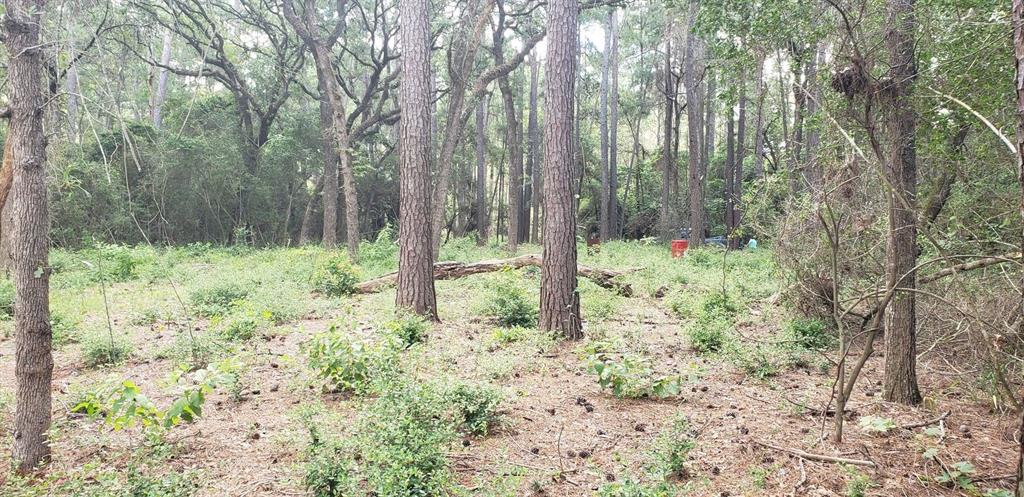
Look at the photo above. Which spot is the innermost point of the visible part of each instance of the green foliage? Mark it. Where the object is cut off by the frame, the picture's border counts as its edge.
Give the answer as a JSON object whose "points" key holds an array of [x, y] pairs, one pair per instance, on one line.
{"points": [[475, 407], [336, 276], [173, 484], [672, 448], [710, 335], [758, 361], [6, 298], [858, 483], [99, 348], [629, 375], [407, 329], [633, 488], [241, 324], [217, 298], [347, 364], [811, 334], [509, 335], [959, 475], [876, 424], [509, 304]]}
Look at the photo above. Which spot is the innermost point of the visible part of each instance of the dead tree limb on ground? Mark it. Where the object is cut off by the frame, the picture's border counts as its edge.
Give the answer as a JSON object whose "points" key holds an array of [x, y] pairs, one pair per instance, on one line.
{"points": [[449, 270]]}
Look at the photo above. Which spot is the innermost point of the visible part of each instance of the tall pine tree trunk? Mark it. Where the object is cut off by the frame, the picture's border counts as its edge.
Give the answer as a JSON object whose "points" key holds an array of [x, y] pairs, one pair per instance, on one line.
{"points": [[33, 361], [559, 301], [415, 260], [483, 216], [614, 223], [762, 89], [735, 238], [899, 383], [667, 163], [604, 223], [533, 132], [694, 122]]}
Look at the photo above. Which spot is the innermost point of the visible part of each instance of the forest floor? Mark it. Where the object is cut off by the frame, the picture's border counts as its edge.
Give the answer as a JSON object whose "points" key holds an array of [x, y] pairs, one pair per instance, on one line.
{"points": [[699, 385]]}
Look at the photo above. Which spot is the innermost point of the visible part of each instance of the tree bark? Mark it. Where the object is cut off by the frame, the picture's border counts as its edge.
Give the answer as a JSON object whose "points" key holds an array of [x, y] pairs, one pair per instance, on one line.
{"points": [[33, 363], [614, 223], [603, 222], [306, 230], [736, 239], [533, 132], [329, 236], [709, 122], [695, 153], [156, 111], [729, 176], [1018, 53], [483, 215], [415, 261], [812, 171], [513, 138], [667, 162], [559, 301], [899, 382], [759, 120]]}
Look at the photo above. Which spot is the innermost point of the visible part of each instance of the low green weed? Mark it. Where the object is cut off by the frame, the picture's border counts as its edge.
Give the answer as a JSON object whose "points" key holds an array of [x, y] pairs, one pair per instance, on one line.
{"points": [[336, 276], [347, 364]]}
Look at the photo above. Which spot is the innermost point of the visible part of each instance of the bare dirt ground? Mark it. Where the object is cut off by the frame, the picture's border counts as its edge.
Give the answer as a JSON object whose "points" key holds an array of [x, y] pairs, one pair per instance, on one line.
{"points": [[560, 431]]}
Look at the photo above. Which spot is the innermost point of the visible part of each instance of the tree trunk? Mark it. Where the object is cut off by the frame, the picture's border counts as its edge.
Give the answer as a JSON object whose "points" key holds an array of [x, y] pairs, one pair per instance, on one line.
{"points": [[812, 138], [306, 230], [514, 145], [329, 237], [694, 125], [161, 82], [483, 215], [415, 261], [729, 176], [709, 122], [33, 362], [900, 379], [614, 223], [559, 301], [603, 222], [759, 120], [667, 162], [1018, 52], [533, 130], [737, 169]]}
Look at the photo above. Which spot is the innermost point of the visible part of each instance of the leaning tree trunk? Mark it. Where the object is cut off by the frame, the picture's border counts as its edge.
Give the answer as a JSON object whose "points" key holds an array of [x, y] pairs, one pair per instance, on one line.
{"points": [[899, 383], [33, 362], [694, 129], [415, 260], [559, 302], [1018, 52]]}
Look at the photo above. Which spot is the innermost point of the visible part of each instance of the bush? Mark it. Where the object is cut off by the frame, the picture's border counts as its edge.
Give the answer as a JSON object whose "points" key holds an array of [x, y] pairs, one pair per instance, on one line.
{"points": [[709, 335], [504, 336], [346, 364], [811, 334], [240, 325], [336, 276], [100, 349], [6, 298], [115, 263], [672, 448], [192, 351], [758, 361], [407, 329], [632, 488], [218, 298], [399, 448], [630, 376], [509, 304], [475, 407]]}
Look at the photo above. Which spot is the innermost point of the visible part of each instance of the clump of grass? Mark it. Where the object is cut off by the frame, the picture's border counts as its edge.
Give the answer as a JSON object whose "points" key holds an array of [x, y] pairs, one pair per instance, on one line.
{"points": [[407, 329], [240, 325], [672, 448], [217, 298], [710, 331], [810, 334], [101, 348]]}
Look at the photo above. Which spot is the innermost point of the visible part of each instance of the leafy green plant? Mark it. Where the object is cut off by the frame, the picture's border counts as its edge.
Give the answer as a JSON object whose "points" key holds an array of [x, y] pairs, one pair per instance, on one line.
{"points": [[509, 335], [407, 329], [6, 298], [758, 361], [475, 407], [508, 303], [858, 483], [631, 376], [959, 475], [217, 299], [346, 364], [634, 488], [336, 276], [672, 448], [810, 334], [241, 324], [876, 424]]}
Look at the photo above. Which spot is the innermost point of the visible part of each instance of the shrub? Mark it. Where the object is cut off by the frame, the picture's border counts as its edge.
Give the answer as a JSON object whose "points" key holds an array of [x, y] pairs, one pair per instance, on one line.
{"points": [[407, 329], [6, 298], [631, 377], [758, 361], [336, 276], [240, 325], [633, 488], [509, 304], [504, 336], [475, 407], [346, 364], [810, 334], [672, 448], [100, 349], [192, 351], [218, 298], [115, 263], [709, 335]]}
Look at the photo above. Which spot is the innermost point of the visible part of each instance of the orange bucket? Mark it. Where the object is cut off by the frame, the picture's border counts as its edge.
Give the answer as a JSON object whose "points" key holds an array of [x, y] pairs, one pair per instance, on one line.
{"points": [[679, 247]]}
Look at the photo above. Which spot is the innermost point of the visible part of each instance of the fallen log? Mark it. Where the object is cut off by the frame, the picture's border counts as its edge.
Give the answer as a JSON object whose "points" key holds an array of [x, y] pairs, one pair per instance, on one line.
{"points": [[450, 270], [968, 266]]}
